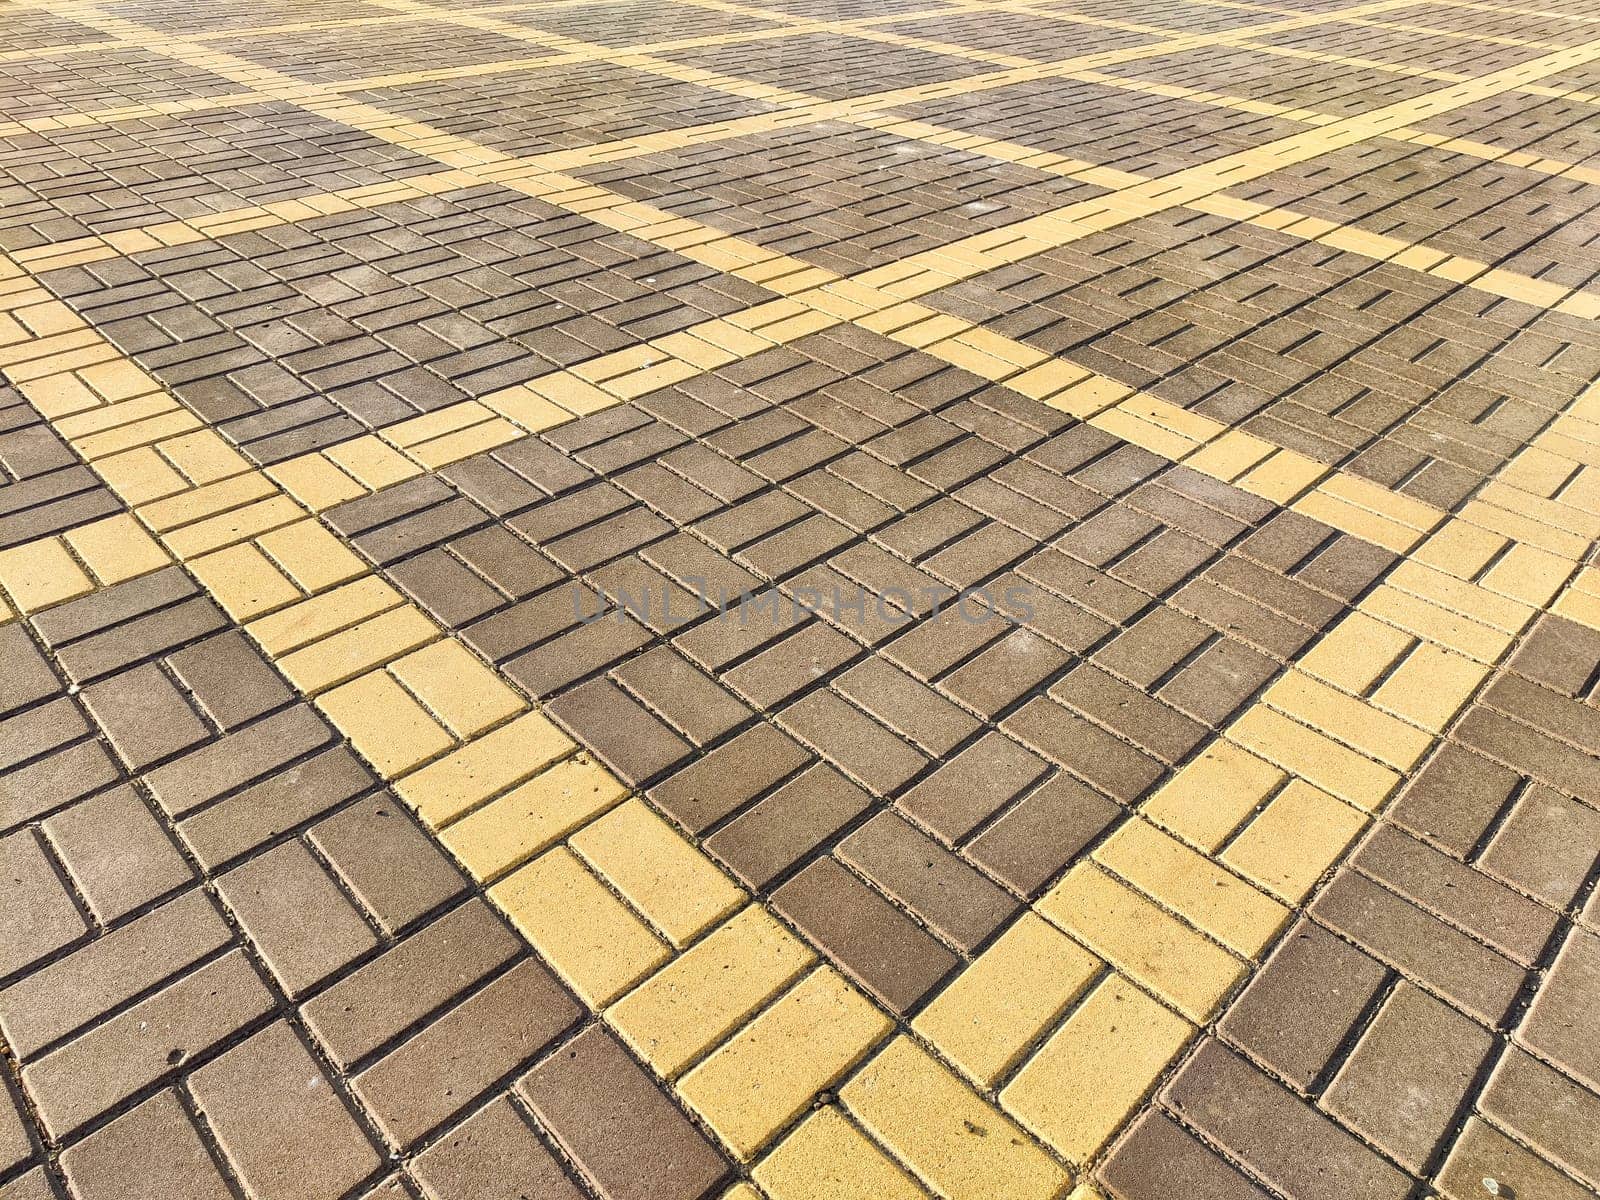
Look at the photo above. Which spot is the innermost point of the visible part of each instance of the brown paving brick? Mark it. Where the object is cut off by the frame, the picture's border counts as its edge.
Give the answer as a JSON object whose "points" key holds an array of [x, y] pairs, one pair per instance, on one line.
{"points": [[943, 891], [620, 731], [393, 869], [1084, 749], [619, 1127], [117, 854], [383, 998], [37, 730], [1561, 1024], [219, 766], [232, 682], [56, 779], [906, 706], [25, 674], [1547, 846], [1278, 1136], [688, 699], [1483, 1152], [972, 785], [865, 934], [283, 1128], [1004, 672], [294, 913], [427, 1079], [1466, 898], [235, 825], [1541, 1107], [1454, 799], [1303, 1003], [1559, 654], [1034, 841], [152, 1153], [16, 1145], [791, 664], [83, 986], [723, 781], [492, 1155], [846, 737], [786, 827], [1467, 973], [1529, 750], [1160, 1160], [32, 1186], [1115, 705], [140, 1045], [38, 916], [1407, 1077]]}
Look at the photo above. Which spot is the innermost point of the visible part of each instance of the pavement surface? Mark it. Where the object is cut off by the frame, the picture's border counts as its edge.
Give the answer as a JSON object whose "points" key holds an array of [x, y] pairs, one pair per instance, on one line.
{"points": [[799, 599]]}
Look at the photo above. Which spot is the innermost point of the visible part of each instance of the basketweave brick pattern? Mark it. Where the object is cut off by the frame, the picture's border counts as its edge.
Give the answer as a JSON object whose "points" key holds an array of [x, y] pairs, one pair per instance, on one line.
{"points": [[793, 598]]}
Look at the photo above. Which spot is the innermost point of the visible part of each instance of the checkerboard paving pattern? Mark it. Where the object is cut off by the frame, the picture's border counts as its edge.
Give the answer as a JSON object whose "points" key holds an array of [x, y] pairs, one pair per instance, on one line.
{"points": [[799, 599]]}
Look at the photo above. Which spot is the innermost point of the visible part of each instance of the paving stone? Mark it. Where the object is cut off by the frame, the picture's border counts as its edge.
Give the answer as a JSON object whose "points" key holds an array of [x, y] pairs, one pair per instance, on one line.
{"points": [[493, 1155], [622, 1130], [1407, 1077], [117, 854], [864, 933], [426, 1080], [151, 1153], [277, 1118], [1288, 1143], [270, 897], [1303, 1004]]}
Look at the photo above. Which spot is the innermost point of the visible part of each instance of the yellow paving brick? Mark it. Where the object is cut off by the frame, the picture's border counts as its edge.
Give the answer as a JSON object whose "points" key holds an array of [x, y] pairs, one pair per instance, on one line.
{"points": [[592, 939], [141, 475], [1138, 938], [389, 729], [117, 548], [1297, 837], [1356, 652], [229, 528], [1359, 522], [993, 1010], [1582, 607], [1528, 574], [204, 457], [1430, 686], [1282, 477], [38, 574], [1430, 621], [742, 1191], [465, 443], [661, 874], [532, 817], [1483, 606], [1354, 722], [315, 481], [457, 688], [1095, 1070], [1183, 880], [445, 790], [313, 557], [244, 581], [526, 409], [767, 1074], [951, 1138], [325, 614], [1460, 549], [1206, 800], [1314, 757], [699, 998], [372, 643], [373, 463], [828, 1156]]}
